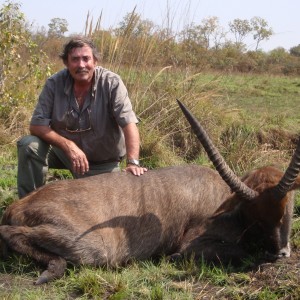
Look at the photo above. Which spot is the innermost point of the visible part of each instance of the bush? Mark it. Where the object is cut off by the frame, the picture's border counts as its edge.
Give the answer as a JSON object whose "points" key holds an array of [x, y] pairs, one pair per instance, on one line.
{"points": [[22, 65]]}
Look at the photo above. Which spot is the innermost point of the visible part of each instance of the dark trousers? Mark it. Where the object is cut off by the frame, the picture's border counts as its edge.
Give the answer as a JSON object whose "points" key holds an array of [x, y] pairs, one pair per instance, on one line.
{"points": [[35, 157]]}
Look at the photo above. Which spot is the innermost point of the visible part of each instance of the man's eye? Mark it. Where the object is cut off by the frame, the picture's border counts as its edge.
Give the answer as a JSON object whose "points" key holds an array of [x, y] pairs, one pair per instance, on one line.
{"points": [[84, 59]]}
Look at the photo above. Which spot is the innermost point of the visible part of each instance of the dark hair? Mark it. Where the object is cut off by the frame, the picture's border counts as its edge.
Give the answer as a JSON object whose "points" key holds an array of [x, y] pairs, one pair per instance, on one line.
{"points": [[78, 42]]}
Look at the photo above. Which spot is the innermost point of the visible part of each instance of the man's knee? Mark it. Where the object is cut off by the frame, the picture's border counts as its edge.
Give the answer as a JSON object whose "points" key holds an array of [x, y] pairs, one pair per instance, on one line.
{"points": [[32, 145], [29, 141]]}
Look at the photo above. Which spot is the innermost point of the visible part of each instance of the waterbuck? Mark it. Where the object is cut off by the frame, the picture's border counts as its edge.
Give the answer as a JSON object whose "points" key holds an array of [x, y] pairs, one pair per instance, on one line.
{"points": [[112, 219]]}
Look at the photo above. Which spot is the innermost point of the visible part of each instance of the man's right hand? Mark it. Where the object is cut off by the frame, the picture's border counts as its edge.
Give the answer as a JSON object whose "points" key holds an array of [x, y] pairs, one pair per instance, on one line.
{"points": [[80, 164]]}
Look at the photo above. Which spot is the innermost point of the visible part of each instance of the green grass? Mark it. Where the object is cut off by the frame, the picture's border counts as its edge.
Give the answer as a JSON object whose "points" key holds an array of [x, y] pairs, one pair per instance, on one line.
{"points": [[275, 98]]}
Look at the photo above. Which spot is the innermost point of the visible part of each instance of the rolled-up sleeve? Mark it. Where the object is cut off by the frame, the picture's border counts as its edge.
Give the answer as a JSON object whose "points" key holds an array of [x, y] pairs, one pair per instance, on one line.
{"points": [[121, 104], [42, 114]]}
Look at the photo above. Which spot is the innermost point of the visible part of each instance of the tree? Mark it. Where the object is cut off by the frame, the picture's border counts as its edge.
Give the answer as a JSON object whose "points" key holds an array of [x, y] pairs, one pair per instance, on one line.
{"points": [[295, 51], [57, 27], [240, 29], [208, 34], [211, 31], [193, 35], [260, 30]]}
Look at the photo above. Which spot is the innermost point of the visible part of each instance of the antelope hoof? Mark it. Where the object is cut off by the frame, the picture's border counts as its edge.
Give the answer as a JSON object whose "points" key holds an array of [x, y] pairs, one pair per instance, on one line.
{"points": [[56, 269]]}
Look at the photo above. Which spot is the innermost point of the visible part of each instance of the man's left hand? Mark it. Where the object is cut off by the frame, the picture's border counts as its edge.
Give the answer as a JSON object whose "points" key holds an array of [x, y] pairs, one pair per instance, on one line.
{"points": [[135, 170]]}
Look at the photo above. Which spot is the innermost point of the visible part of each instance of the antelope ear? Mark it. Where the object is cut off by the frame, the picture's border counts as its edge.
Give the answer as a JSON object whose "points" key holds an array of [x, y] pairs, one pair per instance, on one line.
{"points": [[227, 206]]}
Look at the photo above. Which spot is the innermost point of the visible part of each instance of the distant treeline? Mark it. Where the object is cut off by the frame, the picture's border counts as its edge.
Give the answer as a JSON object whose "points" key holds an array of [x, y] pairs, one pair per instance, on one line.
{"points": [[204, 46]]}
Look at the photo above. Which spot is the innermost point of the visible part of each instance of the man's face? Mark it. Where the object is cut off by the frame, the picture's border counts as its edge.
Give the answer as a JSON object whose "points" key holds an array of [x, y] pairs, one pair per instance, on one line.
{"points": [[81, 64]]}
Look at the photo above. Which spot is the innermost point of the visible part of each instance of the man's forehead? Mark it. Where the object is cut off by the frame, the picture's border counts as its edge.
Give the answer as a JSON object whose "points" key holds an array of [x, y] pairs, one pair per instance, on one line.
{"points": [[81, 51]]}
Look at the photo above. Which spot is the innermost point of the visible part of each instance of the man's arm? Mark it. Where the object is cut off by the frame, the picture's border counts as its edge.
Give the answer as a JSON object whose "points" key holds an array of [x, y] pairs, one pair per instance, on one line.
{"points": [[79, 161], [132, 142]]}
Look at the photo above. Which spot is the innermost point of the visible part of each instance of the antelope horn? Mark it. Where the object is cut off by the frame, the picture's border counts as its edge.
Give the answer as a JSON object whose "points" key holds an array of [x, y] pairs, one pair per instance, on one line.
{"points": [[221, 166], [290, 175]]}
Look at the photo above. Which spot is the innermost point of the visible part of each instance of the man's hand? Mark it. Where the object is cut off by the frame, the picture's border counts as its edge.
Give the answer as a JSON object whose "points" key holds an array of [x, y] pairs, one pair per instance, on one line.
{"points": [[80, 164], [135, 170]]}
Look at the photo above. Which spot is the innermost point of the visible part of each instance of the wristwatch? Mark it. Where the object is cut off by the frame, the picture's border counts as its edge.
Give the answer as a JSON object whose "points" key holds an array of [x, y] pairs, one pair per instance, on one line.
{"points": [[131, 161]]}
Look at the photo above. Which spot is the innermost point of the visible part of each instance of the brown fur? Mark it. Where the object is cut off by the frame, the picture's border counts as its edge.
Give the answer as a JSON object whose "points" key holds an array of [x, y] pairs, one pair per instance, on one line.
{"points": [[111, 219]]}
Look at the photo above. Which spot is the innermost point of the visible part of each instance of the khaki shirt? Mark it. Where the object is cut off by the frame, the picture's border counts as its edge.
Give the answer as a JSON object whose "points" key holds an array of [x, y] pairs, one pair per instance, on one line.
{"points": [[105, 111]]}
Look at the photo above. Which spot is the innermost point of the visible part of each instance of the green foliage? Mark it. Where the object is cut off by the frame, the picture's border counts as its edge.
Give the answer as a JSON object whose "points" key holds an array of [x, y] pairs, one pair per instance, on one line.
{"points": [[21, 62], [297, 204], [295, 51], [8, 180], [147, 280], [261, 30], [296, 223], [240, 29], [98, 284], [57, 27], [143, 280]]}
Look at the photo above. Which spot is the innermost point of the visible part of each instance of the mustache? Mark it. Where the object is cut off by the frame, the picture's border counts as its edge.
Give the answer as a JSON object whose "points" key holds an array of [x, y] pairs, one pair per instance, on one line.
{"points": [[81, 70]]}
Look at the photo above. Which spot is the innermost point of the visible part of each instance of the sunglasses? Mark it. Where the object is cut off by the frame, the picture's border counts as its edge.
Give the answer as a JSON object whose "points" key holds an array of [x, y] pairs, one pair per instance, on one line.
{"points": [[78, 121]]}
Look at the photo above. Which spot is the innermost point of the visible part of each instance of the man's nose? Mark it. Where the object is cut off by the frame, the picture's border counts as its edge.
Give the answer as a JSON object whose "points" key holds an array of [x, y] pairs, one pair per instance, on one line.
{"points": [[81, 62]]}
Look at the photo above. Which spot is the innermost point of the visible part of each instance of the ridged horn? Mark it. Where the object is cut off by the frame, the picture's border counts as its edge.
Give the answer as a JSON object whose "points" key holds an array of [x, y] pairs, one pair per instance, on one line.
{"points": [[289, 176], [218, 161]]}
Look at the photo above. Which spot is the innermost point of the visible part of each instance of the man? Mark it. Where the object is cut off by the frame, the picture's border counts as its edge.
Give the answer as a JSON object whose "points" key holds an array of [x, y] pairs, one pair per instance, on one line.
{"points": [[83, 122]]}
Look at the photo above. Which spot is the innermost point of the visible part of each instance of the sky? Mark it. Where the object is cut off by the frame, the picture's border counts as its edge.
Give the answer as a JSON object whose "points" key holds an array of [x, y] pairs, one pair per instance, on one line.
{"points": [[282, 15]]}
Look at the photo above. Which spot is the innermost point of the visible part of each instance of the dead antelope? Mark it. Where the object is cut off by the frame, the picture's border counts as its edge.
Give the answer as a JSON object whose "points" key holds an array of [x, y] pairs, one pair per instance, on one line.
{"points": [[114, 218]]}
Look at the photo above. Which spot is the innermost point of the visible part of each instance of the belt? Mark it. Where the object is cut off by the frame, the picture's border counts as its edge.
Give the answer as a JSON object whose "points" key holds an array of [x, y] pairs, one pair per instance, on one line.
{"points": [[95, 163]]}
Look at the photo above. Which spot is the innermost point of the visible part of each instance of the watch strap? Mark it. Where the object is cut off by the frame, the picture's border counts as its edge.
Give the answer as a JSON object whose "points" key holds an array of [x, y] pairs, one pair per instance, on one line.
{"points": [[132, 161]]}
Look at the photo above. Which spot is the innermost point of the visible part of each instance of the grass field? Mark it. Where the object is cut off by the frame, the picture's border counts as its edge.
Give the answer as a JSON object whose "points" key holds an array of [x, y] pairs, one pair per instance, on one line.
{"points": [[241, 108], [272, 97]]}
